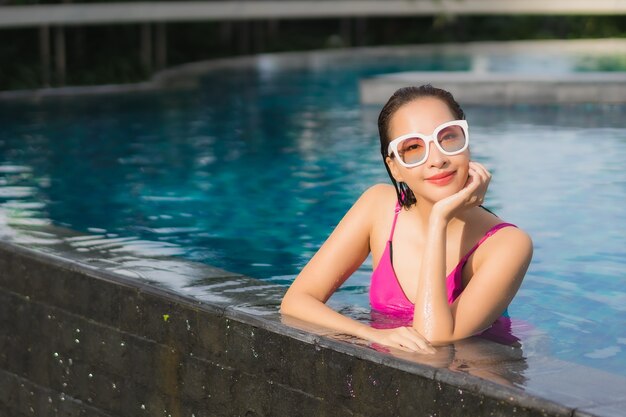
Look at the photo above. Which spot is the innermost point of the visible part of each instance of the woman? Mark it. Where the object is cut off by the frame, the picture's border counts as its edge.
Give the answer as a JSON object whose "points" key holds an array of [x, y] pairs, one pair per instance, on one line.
{"points": [[442, 262]]}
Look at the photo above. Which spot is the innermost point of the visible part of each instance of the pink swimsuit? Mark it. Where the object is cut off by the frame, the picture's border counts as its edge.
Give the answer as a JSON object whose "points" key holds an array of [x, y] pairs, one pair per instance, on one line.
{"points": [[386, 295]]}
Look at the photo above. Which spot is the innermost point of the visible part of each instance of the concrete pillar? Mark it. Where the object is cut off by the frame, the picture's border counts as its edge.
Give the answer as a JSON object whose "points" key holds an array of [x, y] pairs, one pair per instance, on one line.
{"points": [[44, 53], [161, 46], [59, 51], [272, 29], [145, 50], [244, 37], [361, 31], [226, 33], [258, 36], [345, 31]]}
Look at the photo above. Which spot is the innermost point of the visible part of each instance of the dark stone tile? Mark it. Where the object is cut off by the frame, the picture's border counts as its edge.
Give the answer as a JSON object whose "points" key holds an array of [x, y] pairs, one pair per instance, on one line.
{"points": [[485, 398], [140, 360], [192, 377], [12, 270], [68, 290], [212, 333], [8, 388], [131, 311], [104, 300]]}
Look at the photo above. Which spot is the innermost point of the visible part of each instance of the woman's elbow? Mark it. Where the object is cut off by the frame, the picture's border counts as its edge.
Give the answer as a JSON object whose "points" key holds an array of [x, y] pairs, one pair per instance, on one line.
{"points": [[289, 303], [285, 304]]}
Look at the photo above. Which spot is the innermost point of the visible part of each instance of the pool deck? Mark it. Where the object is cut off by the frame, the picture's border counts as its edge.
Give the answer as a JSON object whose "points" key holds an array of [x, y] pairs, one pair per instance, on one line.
{"points": [[88, 326], [500, 88]]}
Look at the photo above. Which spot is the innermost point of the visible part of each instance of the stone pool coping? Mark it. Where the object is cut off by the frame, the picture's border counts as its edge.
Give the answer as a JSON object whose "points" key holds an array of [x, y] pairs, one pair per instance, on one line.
{"points": [[227, 333], [498, 88]]}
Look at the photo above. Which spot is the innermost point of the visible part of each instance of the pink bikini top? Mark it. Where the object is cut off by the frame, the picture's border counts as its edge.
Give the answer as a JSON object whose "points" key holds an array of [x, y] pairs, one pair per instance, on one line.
{"points": [[386, 294]]}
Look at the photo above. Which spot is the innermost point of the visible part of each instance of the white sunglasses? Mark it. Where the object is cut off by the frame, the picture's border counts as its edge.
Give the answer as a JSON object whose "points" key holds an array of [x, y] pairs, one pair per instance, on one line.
{"points": [[412, 149]]}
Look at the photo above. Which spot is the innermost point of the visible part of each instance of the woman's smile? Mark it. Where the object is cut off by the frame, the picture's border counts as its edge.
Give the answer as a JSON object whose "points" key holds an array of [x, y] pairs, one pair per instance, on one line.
{"points": [[441, 179]]}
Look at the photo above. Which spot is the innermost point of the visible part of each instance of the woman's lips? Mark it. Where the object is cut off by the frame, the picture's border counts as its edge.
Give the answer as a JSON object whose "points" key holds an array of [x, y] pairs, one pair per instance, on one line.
{"points": [[443, 178]]}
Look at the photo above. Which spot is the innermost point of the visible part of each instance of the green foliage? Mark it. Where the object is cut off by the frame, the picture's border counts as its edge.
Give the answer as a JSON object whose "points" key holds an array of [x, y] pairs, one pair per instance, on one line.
{"points": [[111, 54], [602, 63]]}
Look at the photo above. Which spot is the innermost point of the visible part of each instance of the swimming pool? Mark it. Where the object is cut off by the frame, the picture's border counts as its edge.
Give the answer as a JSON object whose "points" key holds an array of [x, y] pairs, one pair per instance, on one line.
{"points": [[251, 171]]}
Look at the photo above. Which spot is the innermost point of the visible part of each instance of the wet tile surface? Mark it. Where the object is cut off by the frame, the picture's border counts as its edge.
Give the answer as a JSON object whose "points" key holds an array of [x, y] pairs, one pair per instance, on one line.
{"points": [[614, 409]]}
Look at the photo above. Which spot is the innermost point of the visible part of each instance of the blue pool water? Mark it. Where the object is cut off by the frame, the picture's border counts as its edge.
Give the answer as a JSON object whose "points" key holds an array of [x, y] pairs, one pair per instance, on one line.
{"points": [[251, 171]]}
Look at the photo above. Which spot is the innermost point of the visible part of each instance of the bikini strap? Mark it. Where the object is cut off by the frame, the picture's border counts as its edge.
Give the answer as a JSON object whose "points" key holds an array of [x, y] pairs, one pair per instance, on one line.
{"points": [[489, 233], [395, 219]]}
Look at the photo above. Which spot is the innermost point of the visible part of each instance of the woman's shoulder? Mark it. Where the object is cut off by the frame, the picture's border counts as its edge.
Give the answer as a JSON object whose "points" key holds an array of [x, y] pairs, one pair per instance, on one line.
{"points": [[504, 237], [379, 197], [374, 203]]}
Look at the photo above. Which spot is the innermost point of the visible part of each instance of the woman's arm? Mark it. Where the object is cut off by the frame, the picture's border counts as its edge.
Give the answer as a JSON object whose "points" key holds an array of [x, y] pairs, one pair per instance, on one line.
{"points": [[342, 253], [498, 273]]}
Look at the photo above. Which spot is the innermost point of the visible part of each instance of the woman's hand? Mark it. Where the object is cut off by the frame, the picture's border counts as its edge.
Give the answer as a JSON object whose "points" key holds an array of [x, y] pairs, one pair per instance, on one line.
{"points": [[471, 195], [403, 338]]}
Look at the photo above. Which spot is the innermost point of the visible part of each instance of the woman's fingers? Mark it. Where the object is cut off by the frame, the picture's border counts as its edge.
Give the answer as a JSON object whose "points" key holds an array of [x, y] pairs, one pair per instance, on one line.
{"points": [[481, 176], [471, 195], [408, 339], [421, 344]]}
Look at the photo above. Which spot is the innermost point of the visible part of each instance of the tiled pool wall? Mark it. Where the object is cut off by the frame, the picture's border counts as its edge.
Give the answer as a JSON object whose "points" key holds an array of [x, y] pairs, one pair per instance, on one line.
{"points": [[80, 341]]}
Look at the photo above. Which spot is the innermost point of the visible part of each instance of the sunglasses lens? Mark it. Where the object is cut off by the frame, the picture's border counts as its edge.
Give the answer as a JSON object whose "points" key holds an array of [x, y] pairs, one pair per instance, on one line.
{"points": [[412, 150], [452, 138]]}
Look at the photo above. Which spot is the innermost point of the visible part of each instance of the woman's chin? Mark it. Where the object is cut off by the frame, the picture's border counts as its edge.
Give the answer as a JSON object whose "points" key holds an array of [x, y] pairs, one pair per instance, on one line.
{"points": [[440, 193]]}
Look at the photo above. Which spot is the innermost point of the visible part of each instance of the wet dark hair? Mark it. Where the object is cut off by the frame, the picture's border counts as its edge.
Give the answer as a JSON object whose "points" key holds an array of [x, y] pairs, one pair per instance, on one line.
{"points": [[401, 97]]}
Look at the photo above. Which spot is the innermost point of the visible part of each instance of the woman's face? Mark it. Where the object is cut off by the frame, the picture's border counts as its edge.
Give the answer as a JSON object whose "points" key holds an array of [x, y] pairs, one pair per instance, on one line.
{"points": [[424, 115]]}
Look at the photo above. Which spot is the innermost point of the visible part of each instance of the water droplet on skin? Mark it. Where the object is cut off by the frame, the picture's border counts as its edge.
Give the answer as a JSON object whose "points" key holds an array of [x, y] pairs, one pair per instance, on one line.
{"points": [[114, 386], [50, 400], [90, 375], [69, 361], [122, 344], [143, 407], [77, 330], [76, 340], [55, 354], [188, 325], [62, 397]]}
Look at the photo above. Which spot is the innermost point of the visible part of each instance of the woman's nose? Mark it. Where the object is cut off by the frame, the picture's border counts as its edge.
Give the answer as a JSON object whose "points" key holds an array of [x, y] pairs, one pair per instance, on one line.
{"points": [[436, 158]]}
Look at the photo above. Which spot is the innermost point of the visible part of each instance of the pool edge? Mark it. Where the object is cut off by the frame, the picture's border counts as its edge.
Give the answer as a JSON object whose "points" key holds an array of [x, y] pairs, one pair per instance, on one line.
{"points": [[165, 321]]}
